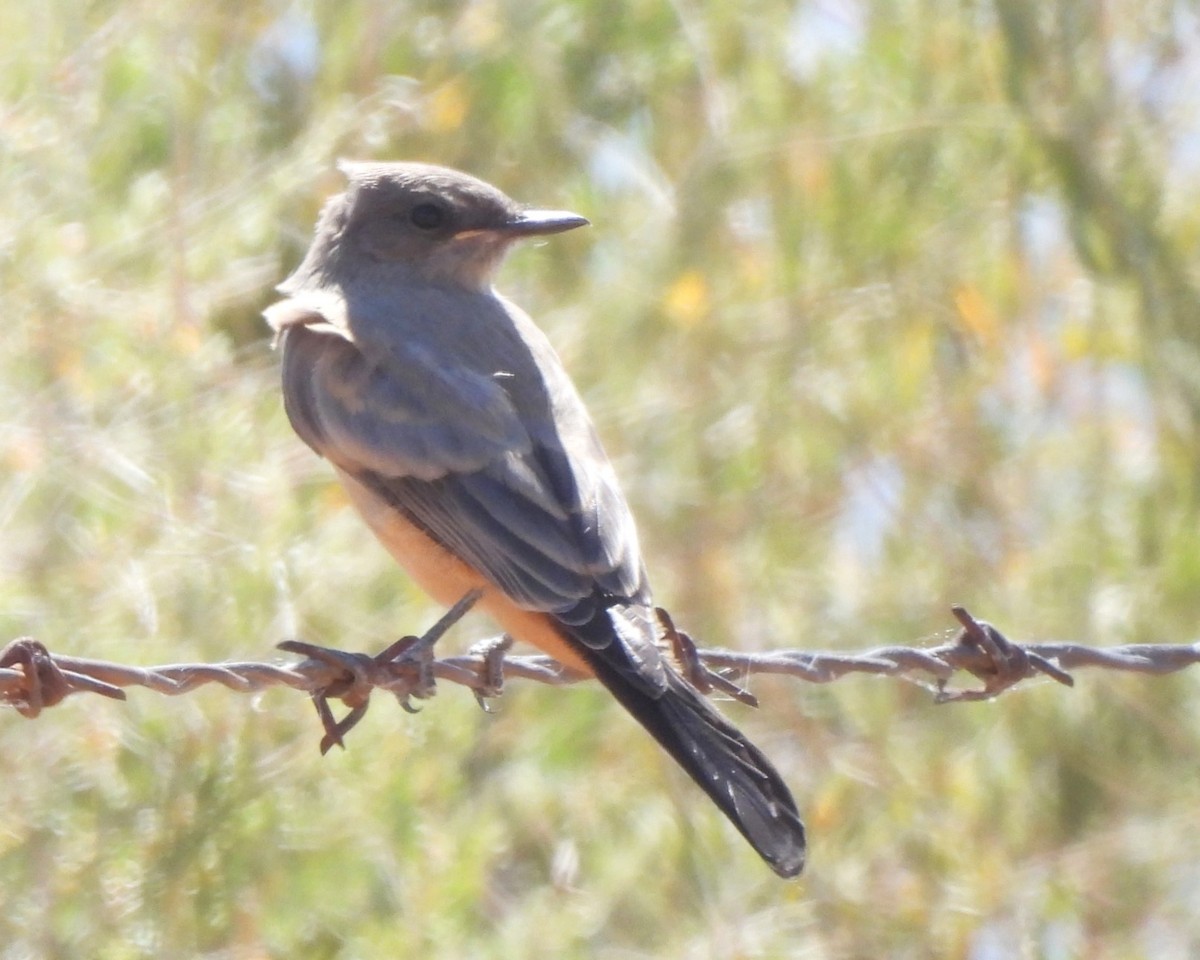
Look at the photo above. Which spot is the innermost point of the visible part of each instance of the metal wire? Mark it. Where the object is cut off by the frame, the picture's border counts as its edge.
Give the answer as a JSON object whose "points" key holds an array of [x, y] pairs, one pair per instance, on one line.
{"points": [[32, 678]]}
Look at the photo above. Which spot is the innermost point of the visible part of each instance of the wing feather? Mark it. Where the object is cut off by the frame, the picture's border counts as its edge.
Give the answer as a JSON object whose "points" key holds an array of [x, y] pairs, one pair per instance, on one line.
{"points": [[500, 466]]}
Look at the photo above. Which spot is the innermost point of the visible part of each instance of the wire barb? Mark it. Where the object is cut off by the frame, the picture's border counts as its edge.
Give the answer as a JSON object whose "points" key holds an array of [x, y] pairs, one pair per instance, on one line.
{"points": [[1005, 663]]}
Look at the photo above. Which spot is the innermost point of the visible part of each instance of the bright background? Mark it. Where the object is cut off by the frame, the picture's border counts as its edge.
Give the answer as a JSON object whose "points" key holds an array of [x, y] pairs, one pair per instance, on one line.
{"points": [[885, 306]]}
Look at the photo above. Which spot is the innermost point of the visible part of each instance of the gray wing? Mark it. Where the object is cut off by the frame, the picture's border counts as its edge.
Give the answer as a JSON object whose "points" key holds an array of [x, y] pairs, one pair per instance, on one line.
{"points": [[499, 464]]}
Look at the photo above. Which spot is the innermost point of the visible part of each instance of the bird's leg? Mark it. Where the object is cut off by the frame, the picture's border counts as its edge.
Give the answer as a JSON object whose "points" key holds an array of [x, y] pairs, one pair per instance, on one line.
{"points": [[407, 652], [391, 669]]}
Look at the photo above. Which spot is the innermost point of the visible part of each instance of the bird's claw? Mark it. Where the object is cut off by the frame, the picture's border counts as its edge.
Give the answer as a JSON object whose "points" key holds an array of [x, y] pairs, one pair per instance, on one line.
{"points": [[692, 667], [405, 667], [491, 678]]}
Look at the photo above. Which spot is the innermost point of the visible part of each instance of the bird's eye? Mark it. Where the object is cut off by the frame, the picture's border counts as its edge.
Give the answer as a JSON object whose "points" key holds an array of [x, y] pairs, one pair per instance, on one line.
{"points": [[427, 216]]}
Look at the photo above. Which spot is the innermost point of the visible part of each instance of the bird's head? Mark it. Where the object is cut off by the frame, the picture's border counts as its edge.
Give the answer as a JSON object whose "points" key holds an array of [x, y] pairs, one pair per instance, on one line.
{"points": [[422, 222]]}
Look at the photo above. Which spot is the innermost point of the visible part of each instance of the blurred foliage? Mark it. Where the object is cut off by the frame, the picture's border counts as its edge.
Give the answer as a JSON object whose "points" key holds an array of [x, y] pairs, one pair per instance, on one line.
{"points": [[886, 306]]}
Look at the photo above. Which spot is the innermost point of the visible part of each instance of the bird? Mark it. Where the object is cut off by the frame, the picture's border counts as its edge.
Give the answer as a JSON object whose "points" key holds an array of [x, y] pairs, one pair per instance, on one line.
{"points": [[461, 440]]}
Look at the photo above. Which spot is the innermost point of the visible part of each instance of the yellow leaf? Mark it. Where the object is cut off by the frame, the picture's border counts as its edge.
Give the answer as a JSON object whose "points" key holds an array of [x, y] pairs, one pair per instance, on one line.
{"points": [[447, 106], [687, 301], [976, 314]]}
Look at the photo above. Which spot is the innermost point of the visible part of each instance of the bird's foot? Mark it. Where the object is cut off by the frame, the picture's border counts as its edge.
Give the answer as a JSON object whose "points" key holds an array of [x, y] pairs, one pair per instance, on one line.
{"points": [[491, 677], [693, 668], [404, 667]]}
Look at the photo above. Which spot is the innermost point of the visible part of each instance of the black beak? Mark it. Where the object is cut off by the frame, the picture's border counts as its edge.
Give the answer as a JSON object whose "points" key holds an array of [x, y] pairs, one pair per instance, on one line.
{"points": [[536, 223]]}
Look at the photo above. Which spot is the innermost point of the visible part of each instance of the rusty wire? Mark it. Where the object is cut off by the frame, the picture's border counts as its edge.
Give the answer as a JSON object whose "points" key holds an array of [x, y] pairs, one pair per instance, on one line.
{"points": [[32, 678]]}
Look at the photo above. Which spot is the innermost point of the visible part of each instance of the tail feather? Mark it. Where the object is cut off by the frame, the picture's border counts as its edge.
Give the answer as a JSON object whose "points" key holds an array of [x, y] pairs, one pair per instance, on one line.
{"points": [[735, 774]]}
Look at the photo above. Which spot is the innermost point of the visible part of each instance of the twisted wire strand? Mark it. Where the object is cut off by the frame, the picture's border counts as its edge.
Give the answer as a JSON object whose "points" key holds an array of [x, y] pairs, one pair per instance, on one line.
{"points": [[32, 678]]}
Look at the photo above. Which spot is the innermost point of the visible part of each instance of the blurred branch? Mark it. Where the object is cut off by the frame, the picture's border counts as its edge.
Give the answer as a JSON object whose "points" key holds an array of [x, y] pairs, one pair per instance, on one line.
{"points": [[32, 678]]}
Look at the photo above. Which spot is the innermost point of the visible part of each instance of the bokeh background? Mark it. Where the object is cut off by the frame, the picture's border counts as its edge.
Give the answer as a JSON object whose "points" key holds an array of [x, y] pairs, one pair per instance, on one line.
{"points": [[885, 306]]}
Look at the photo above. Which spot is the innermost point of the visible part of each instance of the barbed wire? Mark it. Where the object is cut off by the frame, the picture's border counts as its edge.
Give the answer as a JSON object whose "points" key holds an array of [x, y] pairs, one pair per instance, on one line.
{"points": [[33, 679]]}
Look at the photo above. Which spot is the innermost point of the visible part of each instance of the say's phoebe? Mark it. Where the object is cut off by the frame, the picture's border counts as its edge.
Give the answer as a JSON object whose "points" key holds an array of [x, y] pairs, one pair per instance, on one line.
{"points": [[459, 437]]}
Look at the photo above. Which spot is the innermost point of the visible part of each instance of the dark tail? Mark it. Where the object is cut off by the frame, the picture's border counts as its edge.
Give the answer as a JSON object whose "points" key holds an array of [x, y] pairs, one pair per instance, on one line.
{"points": [[728, 767]]}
